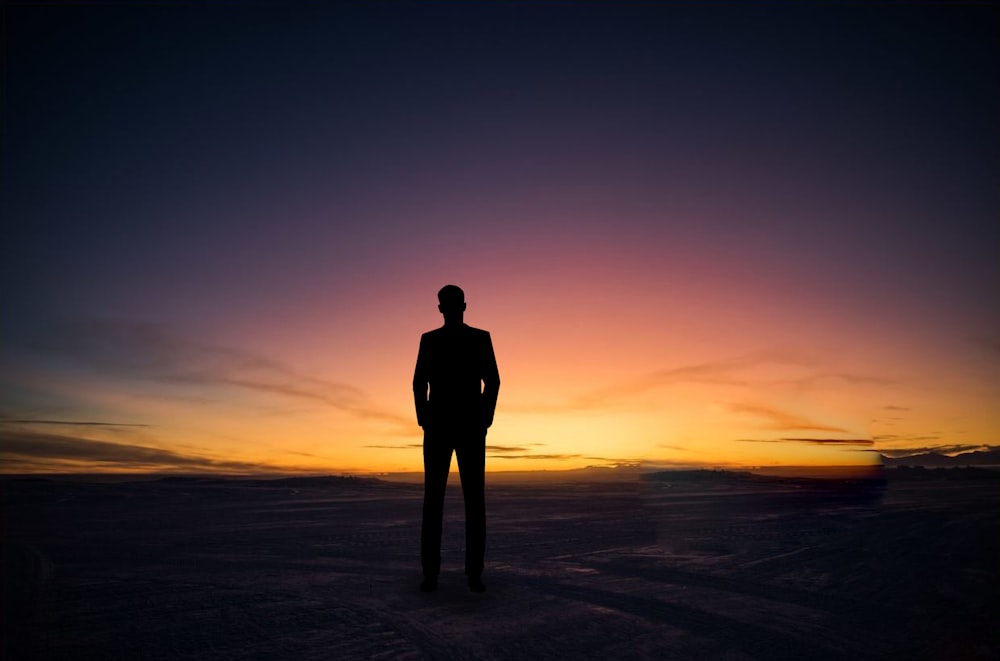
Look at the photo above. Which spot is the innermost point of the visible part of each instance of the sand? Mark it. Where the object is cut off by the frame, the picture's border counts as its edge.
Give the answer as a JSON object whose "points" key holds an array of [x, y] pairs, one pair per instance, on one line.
{"points": [[698, 568]]}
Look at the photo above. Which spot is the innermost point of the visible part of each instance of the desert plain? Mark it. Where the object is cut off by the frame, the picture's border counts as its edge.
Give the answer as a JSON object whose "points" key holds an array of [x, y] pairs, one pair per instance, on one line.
{"points": [[687, 565]]}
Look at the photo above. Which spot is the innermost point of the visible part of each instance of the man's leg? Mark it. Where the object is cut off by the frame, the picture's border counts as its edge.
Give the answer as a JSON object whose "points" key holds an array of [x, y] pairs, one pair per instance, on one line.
{"points": [[437, 462], [471, 452]]}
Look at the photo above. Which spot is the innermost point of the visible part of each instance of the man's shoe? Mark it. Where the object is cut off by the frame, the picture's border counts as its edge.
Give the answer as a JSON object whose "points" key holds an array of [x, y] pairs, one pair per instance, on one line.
{"points": [[429, 584], [476, 584]]}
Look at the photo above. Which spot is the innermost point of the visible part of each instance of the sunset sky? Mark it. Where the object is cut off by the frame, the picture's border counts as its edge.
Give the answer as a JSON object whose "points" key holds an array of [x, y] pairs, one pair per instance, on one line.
{"points": [[701, 234]]}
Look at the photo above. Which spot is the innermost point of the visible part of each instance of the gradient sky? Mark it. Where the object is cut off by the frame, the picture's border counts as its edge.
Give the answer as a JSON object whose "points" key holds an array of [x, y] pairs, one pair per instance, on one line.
{"points": [[700, 233]]}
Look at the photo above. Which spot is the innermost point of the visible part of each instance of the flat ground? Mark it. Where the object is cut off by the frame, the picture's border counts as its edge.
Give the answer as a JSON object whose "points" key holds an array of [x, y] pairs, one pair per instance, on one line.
{"points": [[700, 568]]}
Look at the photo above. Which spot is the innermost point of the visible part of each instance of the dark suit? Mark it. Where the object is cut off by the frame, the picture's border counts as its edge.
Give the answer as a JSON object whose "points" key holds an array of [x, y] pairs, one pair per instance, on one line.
{"points": [[455, 386]]}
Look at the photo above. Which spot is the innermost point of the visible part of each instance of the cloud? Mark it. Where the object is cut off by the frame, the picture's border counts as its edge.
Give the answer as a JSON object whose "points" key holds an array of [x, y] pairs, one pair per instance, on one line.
{"points": [[832, 441], [506, 448], [71, 423], [907, 437], [616, 461], [811, 441], [779, 420], [724, 371], [843, 377], [24, 450], [407, 446], [720, 372], [537, 456], [150, 352], [939, 449], [733, 371], [896, 408]]}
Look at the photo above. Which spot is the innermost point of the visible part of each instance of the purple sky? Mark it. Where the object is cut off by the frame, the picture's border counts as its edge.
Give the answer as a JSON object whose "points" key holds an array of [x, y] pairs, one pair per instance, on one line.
{"points": [[267, 178]]}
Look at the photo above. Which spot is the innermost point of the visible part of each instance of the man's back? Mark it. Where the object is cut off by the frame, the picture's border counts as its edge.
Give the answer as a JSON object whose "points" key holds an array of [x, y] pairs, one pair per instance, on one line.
{"points": [[455, 361]]}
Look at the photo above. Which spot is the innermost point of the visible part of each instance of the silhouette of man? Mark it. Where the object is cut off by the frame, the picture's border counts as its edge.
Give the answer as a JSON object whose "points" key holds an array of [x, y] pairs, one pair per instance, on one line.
{"points": [[455, 387]]}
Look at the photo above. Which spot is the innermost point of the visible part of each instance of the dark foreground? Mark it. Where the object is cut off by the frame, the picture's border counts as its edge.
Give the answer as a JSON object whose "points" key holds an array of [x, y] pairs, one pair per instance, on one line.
{"points": [[698, 568]]}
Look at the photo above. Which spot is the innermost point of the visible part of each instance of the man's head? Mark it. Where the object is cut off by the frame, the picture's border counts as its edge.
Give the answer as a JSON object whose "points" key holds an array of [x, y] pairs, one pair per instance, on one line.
{"points": [[451, 303]]}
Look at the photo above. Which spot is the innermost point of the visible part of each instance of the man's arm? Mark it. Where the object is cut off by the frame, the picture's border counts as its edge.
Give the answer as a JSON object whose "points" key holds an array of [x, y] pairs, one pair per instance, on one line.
{"points": [[420, 383], [491, 382]]}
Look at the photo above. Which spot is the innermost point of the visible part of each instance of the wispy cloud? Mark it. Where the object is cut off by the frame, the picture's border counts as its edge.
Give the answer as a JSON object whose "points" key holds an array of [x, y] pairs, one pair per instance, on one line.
{"points": [[896, 408], [832, 441], [31, 450], [537, 456], [728, 371], [69, 423], [909, 438], [778, 420], [678, 448], [616, 461], [735, 371], [841, 377], [150, 352], [940, 449], [811, 441]]}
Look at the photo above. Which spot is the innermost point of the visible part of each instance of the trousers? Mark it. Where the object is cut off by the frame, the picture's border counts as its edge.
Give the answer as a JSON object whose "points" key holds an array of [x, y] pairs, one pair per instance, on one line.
{"points": [[469, 446]]}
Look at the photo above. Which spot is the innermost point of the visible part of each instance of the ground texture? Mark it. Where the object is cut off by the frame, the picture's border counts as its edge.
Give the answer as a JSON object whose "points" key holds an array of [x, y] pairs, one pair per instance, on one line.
{"points": [[704, 567]]}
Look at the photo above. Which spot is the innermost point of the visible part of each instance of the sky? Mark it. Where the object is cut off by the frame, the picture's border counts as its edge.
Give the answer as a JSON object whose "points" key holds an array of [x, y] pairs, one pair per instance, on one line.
{"points": [[701, 234]]}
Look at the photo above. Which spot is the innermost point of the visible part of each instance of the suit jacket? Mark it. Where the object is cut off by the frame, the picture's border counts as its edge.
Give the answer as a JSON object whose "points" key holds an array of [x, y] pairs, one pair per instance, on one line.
{"points": [[456, 381]]}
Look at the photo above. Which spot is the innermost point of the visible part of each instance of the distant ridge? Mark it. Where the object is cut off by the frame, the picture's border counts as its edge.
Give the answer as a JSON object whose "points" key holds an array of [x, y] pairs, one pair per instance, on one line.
{"points": [[989, 457]]}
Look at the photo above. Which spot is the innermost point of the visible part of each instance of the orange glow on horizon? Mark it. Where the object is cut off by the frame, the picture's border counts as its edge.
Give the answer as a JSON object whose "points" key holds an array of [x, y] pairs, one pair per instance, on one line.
{"points": [[614, 369]]}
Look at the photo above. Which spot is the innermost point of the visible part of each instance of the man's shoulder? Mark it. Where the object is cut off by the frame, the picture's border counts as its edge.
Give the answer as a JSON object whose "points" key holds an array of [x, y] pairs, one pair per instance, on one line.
{"points": [[478, 331], [445, 332], [433, 337]]}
